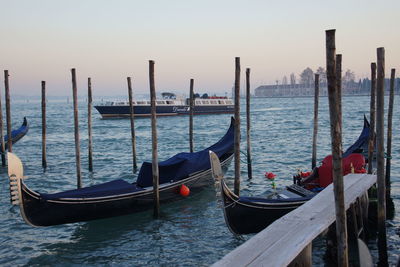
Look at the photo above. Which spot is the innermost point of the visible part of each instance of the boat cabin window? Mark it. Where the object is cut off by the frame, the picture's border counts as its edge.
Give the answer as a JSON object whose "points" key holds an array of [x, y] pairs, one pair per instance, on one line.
{"points": [[170, 102], [229, 102], [160, 102], [141, 102], [213, 102], [198, 102], [221, 102], [206, 102]]}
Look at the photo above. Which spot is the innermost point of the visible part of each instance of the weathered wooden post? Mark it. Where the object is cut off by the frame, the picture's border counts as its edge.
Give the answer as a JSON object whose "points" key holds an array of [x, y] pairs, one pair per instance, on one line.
{"points": [[371, 140], [380, 93], [191, 113], [44, 160], [154, 141], [389, 134], [90, 145], [336, 135], [133, 136], [2, 145], [8, 111], [339, 87], [76, 126], [315, 132], [249, 166], [237, 127]]}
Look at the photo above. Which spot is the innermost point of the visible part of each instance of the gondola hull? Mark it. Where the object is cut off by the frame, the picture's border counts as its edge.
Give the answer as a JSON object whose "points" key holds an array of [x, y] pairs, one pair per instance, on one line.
{"points": [[251, 215], [118, 197], [246, 215], [39, 212]]}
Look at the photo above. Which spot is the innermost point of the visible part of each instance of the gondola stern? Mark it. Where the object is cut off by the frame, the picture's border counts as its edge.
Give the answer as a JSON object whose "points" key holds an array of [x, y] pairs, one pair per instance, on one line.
{"points": [[216, 169]]}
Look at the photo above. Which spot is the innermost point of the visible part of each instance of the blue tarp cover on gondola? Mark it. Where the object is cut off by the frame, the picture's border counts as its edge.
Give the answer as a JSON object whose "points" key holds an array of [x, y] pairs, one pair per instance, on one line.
{"points": [[113, 188], [361, 145], [183, 164]]}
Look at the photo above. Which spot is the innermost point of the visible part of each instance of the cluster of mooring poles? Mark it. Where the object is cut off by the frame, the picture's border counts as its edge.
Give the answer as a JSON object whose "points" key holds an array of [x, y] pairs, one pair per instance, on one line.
{"points": [[383, 182], [153, 126]]}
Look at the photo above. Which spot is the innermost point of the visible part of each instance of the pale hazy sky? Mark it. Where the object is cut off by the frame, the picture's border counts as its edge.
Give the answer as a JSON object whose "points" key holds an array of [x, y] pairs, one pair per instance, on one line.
{"points": [[110, 40]]}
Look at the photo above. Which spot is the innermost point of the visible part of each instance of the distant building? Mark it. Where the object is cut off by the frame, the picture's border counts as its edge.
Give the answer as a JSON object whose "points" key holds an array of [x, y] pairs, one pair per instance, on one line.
{"points": [[363, 87]]}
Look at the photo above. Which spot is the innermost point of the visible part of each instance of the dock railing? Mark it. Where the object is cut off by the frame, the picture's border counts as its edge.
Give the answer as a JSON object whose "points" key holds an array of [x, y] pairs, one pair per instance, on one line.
{"points": [[281, 242]]}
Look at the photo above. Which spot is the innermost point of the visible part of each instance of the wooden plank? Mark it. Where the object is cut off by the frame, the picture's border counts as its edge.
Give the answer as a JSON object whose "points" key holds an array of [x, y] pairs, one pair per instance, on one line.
{"points": [[298, 228]]}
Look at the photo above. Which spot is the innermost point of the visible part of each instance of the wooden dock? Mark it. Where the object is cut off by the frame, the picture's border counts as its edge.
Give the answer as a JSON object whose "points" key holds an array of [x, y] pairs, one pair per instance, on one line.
{"points": [[281, 242]]}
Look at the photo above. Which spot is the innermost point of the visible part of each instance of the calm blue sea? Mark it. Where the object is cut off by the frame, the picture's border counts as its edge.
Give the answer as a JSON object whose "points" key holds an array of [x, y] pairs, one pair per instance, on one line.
{"points": [[191, 232]]}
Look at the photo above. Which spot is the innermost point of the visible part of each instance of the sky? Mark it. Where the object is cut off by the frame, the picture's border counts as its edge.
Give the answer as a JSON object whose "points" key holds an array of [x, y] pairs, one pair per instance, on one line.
{"points": [[111, 40]]}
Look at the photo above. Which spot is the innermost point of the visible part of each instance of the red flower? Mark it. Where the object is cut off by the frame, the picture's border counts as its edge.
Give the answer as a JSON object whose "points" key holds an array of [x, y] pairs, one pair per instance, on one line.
{"points": [[270, 175]]}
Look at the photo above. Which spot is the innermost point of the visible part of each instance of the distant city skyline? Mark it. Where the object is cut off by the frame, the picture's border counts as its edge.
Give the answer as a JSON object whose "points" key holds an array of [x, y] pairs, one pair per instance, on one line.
{"points": [[109, 41]]}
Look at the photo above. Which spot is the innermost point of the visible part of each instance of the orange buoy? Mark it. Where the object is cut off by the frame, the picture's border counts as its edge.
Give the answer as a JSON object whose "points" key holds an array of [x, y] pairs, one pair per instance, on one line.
{"points": [[184, 190]]}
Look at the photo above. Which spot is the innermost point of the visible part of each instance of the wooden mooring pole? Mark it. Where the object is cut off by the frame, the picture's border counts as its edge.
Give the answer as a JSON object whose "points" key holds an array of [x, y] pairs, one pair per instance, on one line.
{"points": [[132, 119], [90, 144], [2, 145], [249, 166], [191, 113], [8, 111], [389, 134], [237, 127], [76, 127], [315, 132], [44, 160], [339, 88], [372, 116], [154, 141], [336, 135], [380, 93]]}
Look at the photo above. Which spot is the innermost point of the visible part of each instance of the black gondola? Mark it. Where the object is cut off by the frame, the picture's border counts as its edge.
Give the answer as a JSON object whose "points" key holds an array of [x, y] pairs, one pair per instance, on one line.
{"points": [[117, 197], [17, 134], [245, 215]]}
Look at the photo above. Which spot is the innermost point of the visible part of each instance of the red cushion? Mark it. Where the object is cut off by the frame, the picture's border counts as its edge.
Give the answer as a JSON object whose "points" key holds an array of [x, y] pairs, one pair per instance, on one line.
{"points": [[325, 170]]}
